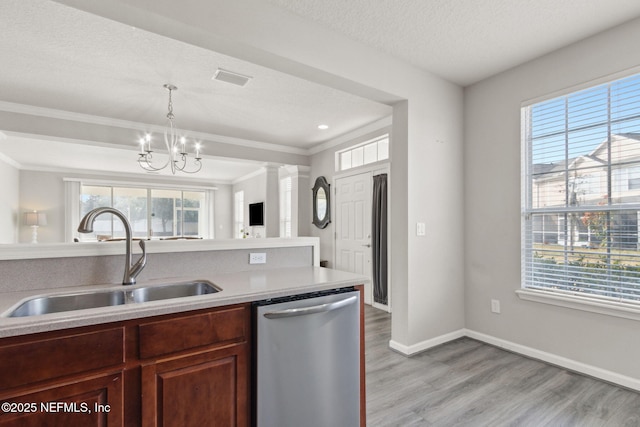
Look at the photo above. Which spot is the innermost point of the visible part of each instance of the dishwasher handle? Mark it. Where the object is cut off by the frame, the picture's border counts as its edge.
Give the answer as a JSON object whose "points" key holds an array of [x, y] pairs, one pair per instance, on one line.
{"points": [[303, 311]]}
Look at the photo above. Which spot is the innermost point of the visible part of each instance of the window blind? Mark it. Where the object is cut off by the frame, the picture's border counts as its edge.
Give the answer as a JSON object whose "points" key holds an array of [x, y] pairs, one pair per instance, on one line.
{"points": [[581, 192]]}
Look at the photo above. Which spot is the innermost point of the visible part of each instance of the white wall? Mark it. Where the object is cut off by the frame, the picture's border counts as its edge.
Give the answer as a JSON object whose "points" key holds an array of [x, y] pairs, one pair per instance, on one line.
{"points": [[9, 203], [44, 192], [492, 208], [223, 212], [272, 203], [323, 164], [305, 212]]}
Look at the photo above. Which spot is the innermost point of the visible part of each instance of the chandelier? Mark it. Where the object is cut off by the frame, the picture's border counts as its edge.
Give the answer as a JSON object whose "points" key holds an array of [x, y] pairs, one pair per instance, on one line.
{"points": [[176, 147]]}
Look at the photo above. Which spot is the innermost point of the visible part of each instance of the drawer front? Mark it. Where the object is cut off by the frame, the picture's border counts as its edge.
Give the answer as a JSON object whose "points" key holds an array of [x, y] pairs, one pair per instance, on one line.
{"points": [[182, 333], [40, 360]]}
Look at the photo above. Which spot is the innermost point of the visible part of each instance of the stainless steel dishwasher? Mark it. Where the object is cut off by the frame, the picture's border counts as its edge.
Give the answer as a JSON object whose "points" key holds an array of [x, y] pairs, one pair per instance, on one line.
{"points": [[308, 360]]}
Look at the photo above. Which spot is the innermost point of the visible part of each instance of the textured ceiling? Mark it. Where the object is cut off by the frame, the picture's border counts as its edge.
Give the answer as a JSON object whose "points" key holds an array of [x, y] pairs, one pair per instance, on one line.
{"points": [[466, 41], [58, 57], [62, 58]]}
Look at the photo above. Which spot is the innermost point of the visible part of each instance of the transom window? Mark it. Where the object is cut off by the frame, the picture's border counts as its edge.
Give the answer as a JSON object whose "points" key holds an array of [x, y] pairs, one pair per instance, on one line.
{"points": [[581, 192], [371, 151], [152, 212]]}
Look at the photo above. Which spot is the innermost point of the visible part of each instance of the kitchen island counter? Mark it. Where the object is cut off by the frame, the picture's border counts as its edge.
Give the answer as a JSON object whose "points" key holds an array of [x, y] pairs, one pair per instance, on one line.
{"points": [[239, 287]]}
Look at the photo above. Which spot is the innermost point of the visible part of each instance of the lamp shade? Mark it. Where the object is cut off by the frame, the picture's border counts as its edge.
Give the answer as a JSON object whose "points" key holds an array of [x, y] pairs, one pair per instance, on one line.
{"points": [[35, 218]]}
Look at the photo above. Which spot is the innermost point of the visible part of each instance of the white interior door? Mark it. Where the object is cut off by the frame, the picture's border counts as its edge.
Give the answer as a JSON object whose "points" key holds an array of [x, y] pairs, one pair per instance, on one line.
{"points": [[353, 227]]}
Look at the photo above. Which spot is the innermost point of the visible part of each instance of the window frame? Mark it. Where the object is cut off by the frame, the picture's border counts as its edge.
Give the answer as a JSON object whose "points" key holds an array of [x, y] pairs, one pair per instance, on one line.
{"points": [[73, 211], [361, 147], [285, 196], [589, 302], [239, 228]]}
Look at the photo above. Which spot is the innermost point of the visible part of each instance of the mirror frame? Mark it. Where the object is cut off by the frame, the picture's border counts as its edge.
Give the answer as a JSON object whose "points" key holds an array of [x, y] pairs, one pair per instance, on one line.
{"points": [[321, 183]]}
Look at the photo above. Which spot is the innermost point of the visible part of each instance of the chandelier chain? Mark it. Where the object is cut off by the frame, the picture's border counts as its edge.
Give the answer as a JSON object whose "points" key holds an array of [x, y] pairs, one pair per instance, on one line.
{"points": [[170, 115]]}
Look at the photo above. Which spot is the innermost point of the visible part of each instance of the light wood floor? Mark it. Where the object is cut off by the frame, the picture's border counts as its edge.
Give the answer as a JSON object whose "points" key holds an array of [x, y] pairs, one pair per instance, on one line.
{"points": [[469, 383]]}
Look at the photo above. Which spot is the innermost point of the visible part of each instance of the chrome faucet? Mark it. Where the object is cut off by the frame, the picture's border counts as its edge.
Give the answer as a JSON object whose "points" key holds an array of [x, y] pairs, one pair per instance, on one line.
{"points": [[131, 271]]}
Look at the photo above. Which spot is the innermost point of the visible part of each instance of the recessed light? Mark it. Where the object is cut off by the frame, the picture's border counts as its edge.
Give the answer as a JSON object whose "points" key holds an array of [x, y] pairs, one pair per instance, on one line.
{"points": [[323, 127]]}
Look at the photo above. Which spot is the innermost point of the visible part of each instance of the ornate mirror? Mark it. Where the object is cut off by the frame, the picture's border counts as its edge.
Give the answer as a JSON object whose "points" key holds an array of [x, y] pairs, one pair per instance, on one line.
{"points": [[321, 203]]}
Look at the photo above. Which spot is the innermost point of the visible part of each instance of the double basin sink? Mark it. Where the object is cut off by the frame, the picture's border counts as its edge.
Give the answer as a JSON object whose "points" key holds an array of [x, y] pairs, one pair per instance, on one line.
{"points": [[83, 300]]}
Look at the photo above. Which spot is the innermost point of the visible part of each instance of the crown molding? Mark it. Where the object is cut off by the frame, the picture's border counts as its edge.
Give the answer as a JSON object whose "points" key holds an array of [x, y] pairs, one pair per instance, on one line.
{"points": [[51, 113], [259, 172], [297, 171]]}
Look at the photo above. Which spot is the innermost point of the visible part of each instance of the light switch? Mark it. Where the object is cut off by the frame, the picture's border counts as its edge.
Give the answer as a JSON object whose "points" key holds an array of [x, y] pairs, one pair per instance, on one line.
{"points": [[421, 229], [495, 306]]}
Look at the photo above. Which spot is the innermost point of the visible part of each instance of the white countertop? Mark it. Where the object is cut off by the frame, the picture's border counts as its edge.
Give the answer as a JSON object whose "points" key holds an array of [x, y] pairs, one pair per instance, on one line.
{"points": [[63, 250], [236, 288]]}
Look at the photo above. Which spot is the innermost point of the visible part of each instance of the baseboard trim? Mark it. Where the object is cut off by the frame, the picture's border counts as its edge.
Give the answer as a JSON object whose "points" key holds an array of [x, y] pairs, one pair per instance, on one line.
{"points": [[553, 359], [425, 345]]}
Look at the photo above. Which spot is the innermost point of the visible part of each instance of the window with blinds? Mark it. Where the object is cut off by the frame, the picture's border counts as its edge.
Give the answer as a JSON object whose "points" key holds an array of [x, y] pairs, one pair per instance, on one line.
{"points": [[581, 193]]}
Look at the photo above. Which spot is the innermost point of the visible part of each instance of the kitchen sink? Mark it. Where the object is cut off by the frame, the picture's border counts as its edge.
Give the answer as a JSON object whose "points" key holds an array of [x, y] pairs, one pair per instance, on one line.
{"points": [[68, 302], [175, 290], [81, 301]]}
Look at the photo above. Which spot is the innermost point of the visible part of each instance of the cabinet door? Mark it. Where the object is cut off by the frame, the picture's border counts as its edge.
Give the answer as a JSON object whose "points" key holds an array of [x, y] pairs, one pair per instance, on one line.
{"points": [[95, 401], [207, 389]]}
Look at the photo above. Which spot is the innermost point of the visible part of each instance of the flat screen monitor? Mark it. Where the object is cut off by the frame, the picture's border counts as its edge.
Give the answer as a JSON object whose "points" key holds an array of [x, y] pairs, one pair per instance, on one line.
{"points": [[256, 214]]}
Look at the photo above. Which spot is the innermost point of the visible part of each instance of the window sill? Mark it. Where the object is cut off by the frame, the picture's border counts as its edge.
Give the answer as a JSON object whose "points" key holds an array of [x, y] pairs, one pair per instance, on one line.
{"points": [[579, 302]]}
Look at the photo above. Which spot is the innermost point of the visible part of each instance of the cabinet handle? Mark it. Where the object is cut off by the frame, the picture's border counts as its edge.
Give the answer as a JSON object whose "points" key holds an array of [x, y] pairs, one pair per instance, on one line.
{"points": [[303, 311]]}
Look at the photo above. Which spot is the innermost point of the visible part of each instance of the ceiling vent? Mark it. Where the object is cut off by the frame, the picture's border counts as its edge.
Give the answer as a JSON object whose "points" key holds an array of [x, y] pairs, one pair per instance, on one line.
{"points": [[231, 77]]}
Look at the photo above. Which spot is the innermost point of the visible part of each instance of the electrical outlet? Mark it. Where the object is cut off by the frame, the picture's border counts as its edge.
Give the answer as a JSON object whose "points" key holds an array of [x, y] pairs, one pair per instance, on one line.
{"points": [[421, 229], [258, 258], [495, 306]]}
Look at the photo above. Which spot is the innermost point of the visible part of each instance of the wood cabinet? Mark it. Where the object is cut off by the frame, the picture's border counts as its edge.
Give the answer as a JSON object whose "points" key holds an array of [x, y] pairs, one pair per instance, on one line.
{"points": [[198, 390], [196, 369], [187, 369], [63, 378], [92, 401]]}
